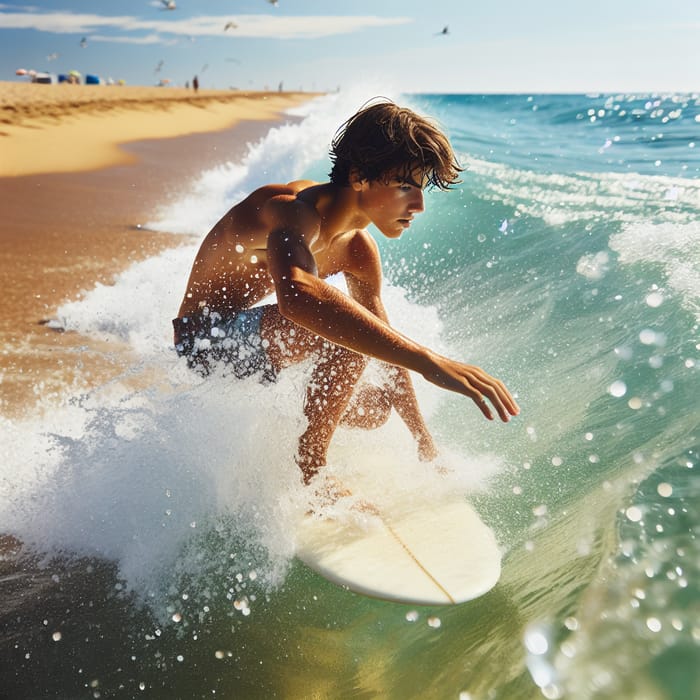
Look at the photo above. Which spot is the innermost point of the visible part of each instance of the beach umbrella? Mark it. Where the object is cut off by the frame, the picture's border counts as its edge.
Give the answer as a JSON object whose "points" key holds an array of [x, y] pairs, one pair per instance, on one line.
{"points": [[21, 71], [76, 73]]}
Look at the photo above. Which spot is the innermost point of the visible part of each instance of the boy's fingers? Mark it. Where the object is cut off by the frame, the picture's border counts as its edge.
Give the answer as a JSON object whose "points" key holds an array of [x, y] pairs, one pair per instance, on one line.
{"points": [[501, 399], [480, 401]]}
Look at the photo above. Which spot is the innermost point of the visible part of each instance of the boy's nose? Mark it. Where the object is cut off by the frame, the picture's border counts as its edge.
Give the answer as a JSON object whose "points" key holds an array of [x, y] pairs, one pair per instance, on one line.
{"points": [[417, 204]]}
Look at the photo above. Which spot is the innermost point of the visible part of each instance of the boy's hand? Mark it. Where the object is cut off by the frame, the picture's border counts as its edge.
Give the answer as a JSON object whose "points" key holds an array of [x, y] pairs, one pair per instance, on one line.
{"points": [[473, 382], [427, 451]]}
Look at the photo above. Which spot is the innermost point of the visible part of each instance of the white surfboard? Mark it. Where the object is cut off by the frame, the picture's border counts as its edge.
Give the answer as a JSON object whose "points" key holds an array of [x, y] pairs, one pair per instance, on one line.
{"points": [[432, 553]]}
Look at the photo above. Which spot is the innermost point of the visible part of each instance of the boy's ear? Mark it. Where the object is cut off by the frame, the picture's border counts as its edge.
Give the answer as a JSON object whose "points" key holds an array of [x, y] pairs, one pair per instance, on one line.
{"points": [[355, 180]]}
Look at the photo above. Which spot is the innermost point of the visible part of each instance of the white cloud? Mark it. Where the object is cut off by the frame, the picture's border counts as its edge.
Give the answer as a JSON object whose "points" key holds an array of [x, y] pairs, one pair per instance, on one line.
{"points": [[249, 26], [147, 39], [62, 22]]}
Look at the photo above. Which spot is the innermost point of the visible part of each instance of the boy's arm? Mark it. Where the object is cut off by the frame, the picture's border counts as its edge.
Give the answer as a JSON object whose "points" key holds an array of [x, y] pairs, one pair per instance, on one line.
{"points": [[365, 288], [304, 298]]}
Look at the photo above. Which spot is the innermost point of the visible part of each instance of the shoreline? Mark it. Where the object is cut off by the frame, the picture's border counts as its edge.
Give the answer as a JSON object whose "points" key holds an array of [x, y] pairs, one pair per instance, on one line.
{"points": [[69, 128], [63, 233]]}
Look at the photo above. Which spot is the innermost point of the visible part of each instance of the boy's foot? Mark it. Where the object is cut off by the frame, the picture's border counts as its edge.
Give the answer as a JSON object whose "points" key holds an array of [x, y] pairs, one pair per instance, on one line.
{"points": [[328, 490]]}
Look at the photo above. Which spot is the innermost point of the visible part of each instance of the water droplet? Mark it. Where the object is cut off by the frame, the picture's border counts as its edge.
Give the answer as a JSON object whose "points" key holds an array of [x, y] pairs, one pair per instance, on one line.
{"points": [[664, 489], [634, 514], [654, 299], [654, 624], [412, 615], [536, 641], [617, 389], [571, 623], [656, 361]]}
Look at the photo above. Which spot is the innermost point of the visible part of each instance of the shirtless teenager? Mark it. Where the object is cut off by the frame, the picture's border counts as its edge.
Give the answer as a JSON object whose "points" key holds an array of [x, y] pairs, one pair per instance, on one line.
{"points": [[288, 239]]}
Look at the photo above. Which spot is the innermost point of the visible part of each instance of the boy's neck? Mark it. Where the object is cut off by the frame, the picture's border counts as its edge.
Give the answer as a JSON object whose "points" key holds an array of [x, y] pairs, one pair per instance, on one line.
{"points": [[338, 207]]}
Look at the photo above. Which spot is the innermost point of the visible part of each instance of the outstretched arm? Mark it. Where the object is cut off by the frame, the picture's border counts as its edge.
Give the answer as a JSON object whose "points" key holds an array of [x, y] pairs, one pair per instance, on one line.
{"points": [[399, 386], [304, 298]]}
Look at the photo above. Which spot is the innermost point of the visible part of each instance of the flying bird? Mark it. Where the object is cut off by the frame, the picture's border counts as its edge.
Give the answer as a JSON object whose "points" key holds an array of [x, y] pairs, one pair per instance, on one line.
{"points": [[83, 42], [274, 3], [445, 30], [168, 5], [230, 25]]}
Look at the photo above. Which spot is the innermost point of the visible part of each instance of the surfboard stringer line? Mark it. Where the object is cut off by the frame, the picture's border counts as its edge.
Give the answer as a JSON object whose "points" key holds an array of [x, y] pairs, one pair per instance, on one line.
{"points": [[418, 563]]}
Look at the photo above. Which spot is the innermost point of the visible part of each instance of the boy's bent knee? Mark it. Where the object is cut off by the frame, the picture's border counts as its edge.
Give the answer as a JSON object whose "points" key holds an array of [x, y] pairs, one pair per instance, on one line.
{"points": [[369, 408]]}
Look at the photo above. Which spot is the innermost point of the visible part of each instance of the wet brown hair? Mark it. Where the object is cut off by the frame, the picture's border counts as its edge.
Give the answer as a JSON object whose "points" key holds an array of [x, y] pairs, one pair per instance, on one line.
{"points": [[383, 139]]}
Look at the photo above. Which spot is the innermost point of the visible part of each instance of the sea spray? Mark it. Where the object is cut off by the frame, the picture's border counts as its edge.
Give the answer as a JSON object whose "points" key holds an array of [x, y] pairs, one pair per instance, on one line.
{"points": [[167, 474]]}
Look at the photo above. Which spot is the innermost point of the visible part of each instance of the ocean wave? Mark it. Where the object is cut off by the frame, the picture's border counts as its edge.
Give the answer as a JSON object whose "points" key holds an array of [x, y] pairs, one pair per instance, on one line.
{"points": [[560, 199]]}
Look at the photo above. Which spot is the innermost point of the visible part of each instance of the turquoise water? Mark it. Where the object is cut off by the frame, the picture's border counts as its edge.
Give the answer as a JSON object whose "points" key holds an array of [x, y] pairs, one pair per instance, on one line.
{"points": [[160, 535]]}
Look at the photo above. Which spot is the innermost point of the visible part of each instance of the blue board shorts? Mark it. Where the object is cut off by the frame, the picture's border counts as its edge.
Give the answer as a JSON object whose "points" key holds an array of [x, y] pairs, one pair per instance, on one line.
{"points": [[208, 339]]}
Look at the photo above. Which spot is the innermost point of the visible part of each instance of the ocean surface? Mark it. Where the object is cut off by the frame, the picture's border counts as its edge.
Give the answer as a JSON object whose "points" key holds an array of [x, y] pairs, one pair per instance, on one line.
{"points": [[157, 512]]}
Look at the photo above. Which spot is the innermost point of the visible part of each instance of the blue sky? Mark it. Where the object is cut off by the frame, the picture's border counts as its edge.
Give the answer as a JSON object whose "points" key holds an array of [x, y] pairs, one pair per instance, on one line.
{"points": [[491, 46]]}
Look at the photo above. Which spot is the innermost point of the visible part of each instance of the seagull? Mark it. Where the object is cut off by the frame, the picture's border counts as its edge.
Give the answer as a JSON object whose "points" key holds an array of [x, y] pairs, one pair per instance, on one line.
{"points": [[230, 25], [274, 3], [445, 30], [159, 66], [83, 42], [168, 5], [52, 57]]}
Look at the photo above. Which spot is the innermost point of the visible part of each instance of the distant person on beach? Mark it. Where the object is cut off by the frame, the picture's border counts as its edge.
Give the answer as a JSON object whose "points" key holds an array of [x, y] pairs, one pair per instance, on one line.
{"points": [[195, 83], [288, 238]]}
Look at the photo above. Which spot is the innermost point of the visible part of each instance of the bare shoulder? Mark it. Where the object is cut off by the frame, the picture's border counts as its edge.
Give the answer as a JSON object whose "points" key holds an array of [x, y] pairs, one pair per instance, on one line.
{"points": [[280, 192], [280, 206], [361, 256]]}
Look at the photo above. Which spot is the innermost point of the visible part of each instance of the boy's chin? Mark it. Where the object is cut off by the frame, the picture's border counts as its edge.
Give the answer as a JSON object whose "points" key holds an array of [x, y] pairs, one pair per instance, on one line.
{"points": [[392, 232]]}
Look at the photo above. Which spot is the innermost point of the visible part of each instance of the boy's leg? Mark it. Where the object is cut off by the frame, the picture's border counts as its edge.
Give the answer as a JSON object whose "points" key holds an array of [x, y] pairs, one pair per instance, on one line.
{"points": [[334, 377], [369, 407]]}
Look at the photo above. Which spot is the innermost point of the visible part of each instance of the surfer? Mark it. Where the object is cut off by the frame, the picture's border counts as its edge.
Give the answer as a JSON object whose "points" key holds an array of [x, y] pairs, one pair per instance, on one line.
{"points": [[287, 239]]}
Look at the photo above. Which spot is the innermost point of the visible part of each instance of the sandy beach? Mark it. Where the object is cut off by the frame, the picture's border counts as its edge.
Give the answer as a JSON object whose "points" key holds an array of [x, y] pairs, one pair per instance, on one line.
{"points": [[81, 167]]}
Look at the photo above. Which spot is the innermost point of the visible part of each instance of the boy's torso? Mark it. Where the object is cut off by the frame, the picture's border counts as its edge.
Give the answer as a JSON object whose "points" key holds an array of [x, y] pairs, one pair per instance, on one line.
{"points": [[230, 271]]}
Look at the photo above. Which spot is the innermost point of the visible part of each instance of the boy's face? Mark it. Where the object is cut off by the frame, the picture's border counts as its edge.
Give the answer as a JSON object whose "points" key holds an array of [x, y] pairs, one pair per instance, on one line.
{"points": [[392, 201]]}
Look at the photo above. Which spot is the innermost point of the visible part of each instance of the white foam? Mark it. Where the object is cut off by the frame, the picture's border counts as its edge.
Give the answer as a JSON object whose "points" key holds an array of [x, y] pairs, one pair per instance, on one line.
{"points": [[674, 248], [560, 199]]}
